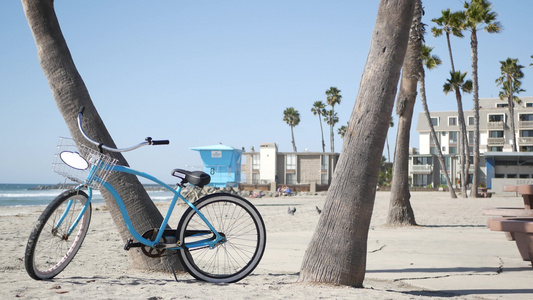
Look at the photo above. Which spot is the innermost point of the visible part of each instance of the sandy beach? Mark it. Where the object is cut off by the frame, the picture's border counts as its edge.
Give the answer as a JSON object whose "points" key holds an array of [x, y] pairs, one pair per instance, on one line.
{"points": [[451, 255]]}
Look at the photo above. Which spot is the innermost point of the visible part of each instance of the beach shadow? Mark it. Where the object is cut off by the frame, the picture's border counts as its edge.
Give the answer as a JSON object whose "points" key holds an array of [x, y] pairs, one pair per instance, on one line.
{"points": [[455, 293], [453, 226], [453, 271]]}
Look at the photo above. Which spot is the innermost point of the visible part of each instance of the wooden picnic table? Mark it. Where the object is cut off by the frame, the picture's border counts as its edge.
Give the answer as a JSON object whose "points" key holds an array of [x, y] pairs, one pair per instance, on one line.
{"points": [[517, 223], [525, 190]]}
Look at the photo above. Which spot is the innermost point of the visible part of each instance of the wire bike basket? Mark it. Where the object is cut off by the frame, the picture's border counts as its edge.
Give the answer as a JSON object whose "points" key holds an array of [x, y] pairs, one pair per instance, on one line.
{"points": [[91, 169]]}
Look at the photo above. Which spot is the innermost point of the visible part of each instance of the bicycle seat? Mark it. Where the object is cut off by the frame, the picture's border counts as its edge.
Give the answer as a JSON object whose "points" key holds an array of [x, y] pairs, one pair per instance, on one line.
{"points": [[197, 178]]}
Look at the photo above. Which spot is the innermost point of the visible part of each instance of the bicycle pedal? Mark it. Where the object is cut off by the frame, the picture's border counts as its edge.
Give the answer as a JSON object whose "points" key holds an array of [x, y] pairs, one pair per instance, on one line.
{"points": [[131, 244]]}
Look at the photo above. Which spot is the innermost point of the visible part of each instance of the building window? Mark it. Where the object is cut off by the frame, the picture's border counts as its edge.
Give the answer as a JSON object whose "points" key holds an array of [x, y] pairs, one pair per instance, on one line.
{"points": [[453, 137], [496, 148], [422, 161], [435, 121], [255, 178], [432, 150], [529, 104], [470, 137], [255, 162], [453, 150], [324, 178], [471, 121], [526, 148], [496, 118], [291, 162], [526, 117], [452, 121], [526, 133], [524, 175], [502, 105], [323, 162], [290, 178], [496, 134]]}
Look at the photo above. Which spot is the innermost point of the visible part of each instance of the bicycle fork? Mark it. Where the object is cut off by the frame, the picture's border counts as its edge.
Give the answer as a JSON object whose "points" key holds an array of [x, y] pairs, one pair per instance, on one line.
{"points": [[78, 218]]}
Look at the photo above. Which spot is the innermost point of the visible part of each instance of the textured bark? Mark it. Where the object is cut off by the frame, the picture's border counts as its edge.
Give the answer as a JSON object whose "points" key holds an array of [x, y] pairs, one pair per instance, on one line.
{"points": [[400, 210], [475, 94], [70, 93], [337, 251]]}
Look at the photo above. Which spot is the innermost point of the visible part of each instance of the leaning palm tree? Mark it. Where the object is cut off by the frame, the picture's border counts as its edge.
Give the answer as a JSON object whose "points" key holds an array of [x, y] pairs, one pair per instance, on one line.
{"points": [[431, 62], [333, 98], [319, 109], [510, 81], [449, 23], [478, 16], [457, 84], [292, 117]]}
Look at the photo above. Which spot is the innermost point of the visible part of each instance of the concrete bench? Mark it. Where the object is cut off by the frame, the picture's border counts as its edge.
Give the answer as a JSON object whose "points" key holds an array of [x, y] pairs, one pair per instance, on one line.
{"points": [[522, 229]]}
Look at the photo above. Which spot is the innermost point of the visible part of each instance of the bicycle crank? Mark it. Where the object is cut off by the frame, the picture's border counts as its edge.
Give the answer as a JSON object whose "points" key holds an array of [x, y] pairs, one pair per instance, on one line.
{"points": [[151, 251]]}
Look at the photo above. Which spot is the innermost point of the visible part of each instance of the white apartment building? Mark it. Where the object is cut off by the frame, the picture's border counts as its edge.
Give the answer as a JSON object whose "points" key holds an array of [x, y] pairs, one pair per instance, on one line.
{"points": [[497, 160]]}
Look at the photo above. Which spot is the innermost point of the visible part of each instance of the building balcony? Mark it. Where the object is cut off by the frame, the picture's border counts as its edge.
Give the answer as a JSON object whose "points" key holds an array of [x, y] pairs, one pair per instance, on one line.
{"points": [[525, 124], [422, 169], [525, 140], [497, 124], [496, 141]]}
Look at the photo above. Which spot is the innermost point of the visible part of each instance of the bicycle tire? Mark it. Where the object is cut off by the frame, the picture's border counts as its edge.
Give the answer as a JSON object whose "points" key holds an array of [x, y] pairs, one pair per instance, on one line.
{"points": [[240, 222], [49, 250]]}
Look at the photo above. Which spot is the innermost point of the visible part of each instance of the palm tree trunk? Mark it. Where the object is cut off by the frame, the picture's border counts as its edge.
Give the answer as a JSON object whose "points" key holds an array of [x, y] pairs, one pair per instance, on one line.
{"points": [[331, 135], [450, 51], [70, 93], [464, 144], [322, 133], [400, 210], [337, 251], [475, 87], [422, 78], [293, 142], [511, 116]]}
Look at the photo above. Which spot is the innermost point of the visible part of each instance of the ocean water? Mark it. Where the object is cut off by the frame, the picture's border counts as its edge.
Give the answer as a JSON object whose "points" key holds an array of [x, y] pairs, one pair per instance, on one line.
{"points": [[30, 195]]}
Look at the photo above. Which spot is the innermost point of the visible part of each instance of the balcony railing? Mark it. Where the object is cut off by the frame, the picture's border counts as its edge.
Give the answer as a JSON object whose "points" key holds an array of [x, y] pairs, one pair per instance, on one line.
{"points": [[496, 141], [497, 124], [525, 124], [422, 169], [525, 140]]}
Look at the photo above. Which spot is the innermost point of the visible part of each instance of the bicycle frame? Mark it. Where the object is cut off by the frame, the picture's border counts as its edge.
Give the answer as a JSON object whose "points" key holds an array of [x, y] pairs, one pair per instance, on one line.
{"points": [[211, 243]]}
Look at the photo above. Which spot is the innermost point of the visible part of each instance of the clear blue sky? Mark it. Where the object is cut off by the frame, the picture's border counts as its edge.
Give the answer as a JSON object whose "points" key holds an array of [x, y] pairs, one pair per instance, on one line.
{"points": [[206, 72]]}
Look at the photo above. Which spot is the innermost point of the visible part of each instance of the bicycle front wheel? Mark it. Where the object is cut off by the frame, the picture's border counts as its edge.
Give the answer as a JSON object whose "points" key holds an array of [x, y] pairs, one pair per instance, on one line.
{"points": [[50, 247], [239, 222]]}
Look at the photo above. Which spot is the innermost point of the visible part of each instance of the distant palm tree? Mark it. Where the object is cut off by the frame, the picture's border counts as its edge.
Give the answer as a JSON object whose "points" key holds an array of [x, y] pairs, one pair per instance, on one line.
{"points": [[319, 109], [510, 81], [342, 130], [333, 98], [457, 83], [331, 119], [478, 16], [292, 117], [431, 62], [449, 23]]}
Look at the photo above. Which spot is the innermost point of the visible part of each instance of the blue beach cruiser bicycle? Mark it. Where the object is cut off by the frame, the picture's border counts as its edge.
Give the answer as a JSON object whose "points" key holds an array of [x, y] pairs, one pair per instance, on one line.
{"points": [[220, 237]]}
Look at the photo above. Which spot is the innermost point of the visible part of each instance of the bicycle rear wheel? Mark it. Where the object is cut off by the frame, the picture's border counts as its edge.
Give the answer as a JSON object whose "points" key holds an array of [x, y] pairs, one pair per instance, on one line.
{"points": [[50, 248], [236, 219]]}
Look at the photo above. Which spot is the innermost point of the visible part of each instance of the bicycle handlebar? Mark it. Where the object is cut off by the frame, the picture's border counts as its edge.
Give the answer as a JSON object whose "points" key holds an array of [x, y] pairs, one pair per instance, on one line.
{"points": [[148, 140]]}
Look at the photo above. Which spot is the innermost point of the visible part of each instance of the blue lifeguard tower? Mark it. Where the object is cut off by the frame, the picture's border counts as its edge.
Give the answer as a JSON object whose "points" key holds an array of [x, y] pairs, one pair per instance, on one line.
{"points": [[222, 163]]}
